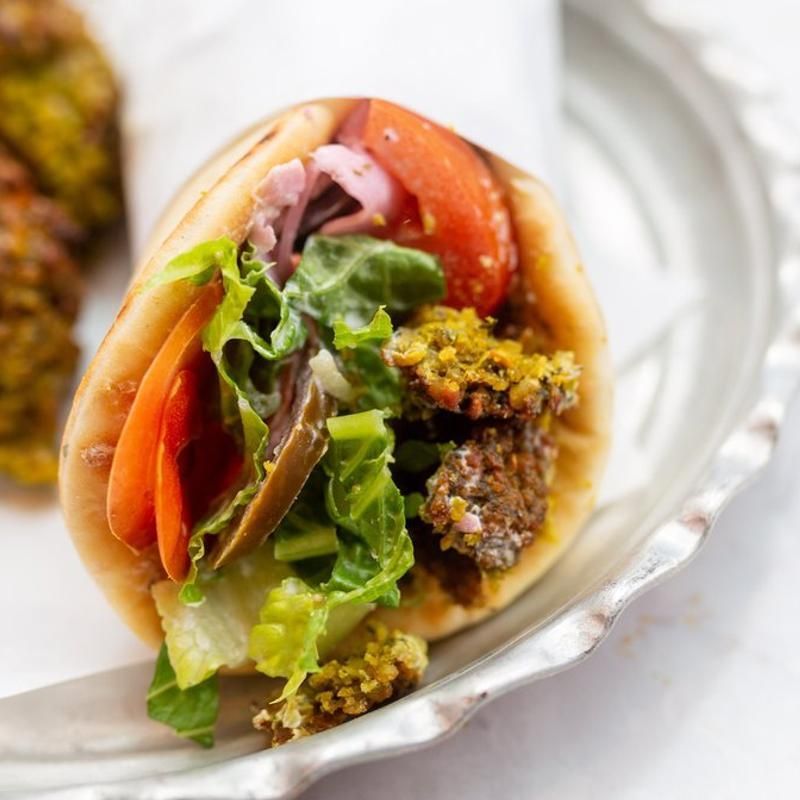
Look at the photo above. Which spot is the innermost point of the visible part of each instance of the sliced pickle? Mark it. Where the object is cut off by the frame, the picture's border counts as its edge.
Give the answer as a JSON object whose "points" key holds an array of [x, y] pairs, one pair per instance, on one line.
{"points": [[294, 457]]}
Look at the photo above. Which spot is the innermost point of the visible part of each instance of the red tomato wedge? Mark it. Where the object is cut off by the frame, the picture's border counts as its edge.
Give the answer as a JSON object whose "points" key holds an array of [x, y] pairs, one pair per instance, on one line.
{"points": [[130, 503], [216, 468], [463, 217], [180, 424]]}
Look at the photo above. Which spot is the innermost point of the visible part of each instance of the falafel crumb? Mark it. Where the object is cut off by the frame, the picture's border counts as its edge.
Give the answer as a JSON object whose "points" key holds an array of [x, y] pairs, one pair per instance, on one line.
{"points": [[377, 667]]}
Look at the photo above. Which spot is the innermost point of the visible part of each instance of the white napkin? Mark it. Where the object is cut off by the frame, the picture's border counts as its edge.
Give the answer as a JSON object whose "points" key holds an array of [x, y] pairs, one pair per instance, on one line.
{"points": [[198, 72], [195, 73]]}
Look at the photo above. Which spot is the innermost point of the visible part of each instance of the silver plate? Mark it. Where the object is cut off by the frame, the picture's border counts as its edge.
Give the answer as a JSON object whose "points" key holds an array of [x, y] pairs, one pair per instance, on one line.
{"points": [[678, 163]]}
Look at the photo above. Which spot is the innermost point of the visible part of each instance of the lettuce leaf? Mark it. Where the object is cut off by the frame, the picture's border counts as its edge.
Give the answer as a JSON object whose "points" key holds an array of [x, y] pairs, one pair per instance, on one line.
{"points": [[307, 531], [379, 329], [361, 496], [349, 277], [363, 499], [198, 265], [251, 298], [354, 567], [190, 712], [374, 552], [297, 625], [202, 638], [255, 608], [377, 386], [350, 285], [284, 643]]}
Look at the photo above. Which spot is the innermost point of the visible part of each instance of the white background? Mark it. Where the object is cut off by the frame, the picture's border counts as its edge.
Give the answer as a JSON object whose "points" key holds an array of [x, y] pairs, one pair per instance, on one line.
{"points": [[696, 693]]}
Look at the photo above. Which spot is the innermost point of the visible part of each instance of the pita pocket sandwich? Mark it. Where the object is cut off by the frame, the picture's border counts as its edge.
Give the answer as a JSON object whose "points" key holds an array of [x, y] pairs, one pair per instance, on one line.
{"points": [[357, 398]]}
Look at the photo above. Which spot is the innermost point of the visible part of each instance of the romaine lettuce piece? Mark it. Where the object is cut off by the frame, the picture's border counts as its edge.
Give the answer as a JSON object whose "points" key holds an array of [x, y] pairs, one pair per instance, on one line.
{"points": [[354, 567], [320, 540], [376, 550], [349, 277], [378, 330], [202, 638], [284, 643], [375, 385], [191, 712], [362, 499]]}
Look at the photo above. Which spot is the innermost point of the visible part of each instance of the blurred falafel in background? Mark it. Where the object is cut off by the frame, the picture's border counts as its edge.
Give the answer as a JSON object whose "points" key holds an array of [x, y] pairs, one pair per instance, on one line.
{"points": [[59, 102], [59, 188], [39, 298]]}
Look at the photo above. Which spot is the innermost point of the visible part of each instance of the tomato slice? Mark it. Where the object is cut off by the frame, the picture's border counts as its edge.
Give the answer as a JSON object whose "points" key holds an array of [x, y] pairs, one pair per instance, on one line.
{"points": [[130, 503], [180, 424], [214, 466], [463, 217]]}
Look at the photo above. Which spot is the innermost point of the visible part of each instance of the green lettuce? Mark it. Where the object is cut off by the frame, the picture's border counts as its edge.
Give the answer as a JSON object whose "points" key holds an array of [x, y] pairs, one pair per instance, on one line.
{"points": [[361, 496], [349, 277], [379, 329], [307, 531], [284, 643], [354, 567], [375, 551], [190, 712], [204, 637], [377, 386], [234, 337]]}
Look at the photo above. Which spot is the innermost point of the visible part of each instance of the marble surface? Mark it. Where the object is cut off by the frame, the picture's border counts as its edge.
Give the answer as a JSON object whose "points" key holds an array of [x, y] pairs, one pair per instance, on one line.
{"points": [[695, 693]]}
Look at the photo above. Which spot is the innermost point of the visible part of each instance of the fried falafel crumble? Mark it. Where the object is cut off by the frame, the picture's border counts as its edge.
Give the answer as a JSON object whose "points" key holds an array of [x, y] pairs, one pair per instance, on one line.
{"points": [[373, 668]]}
